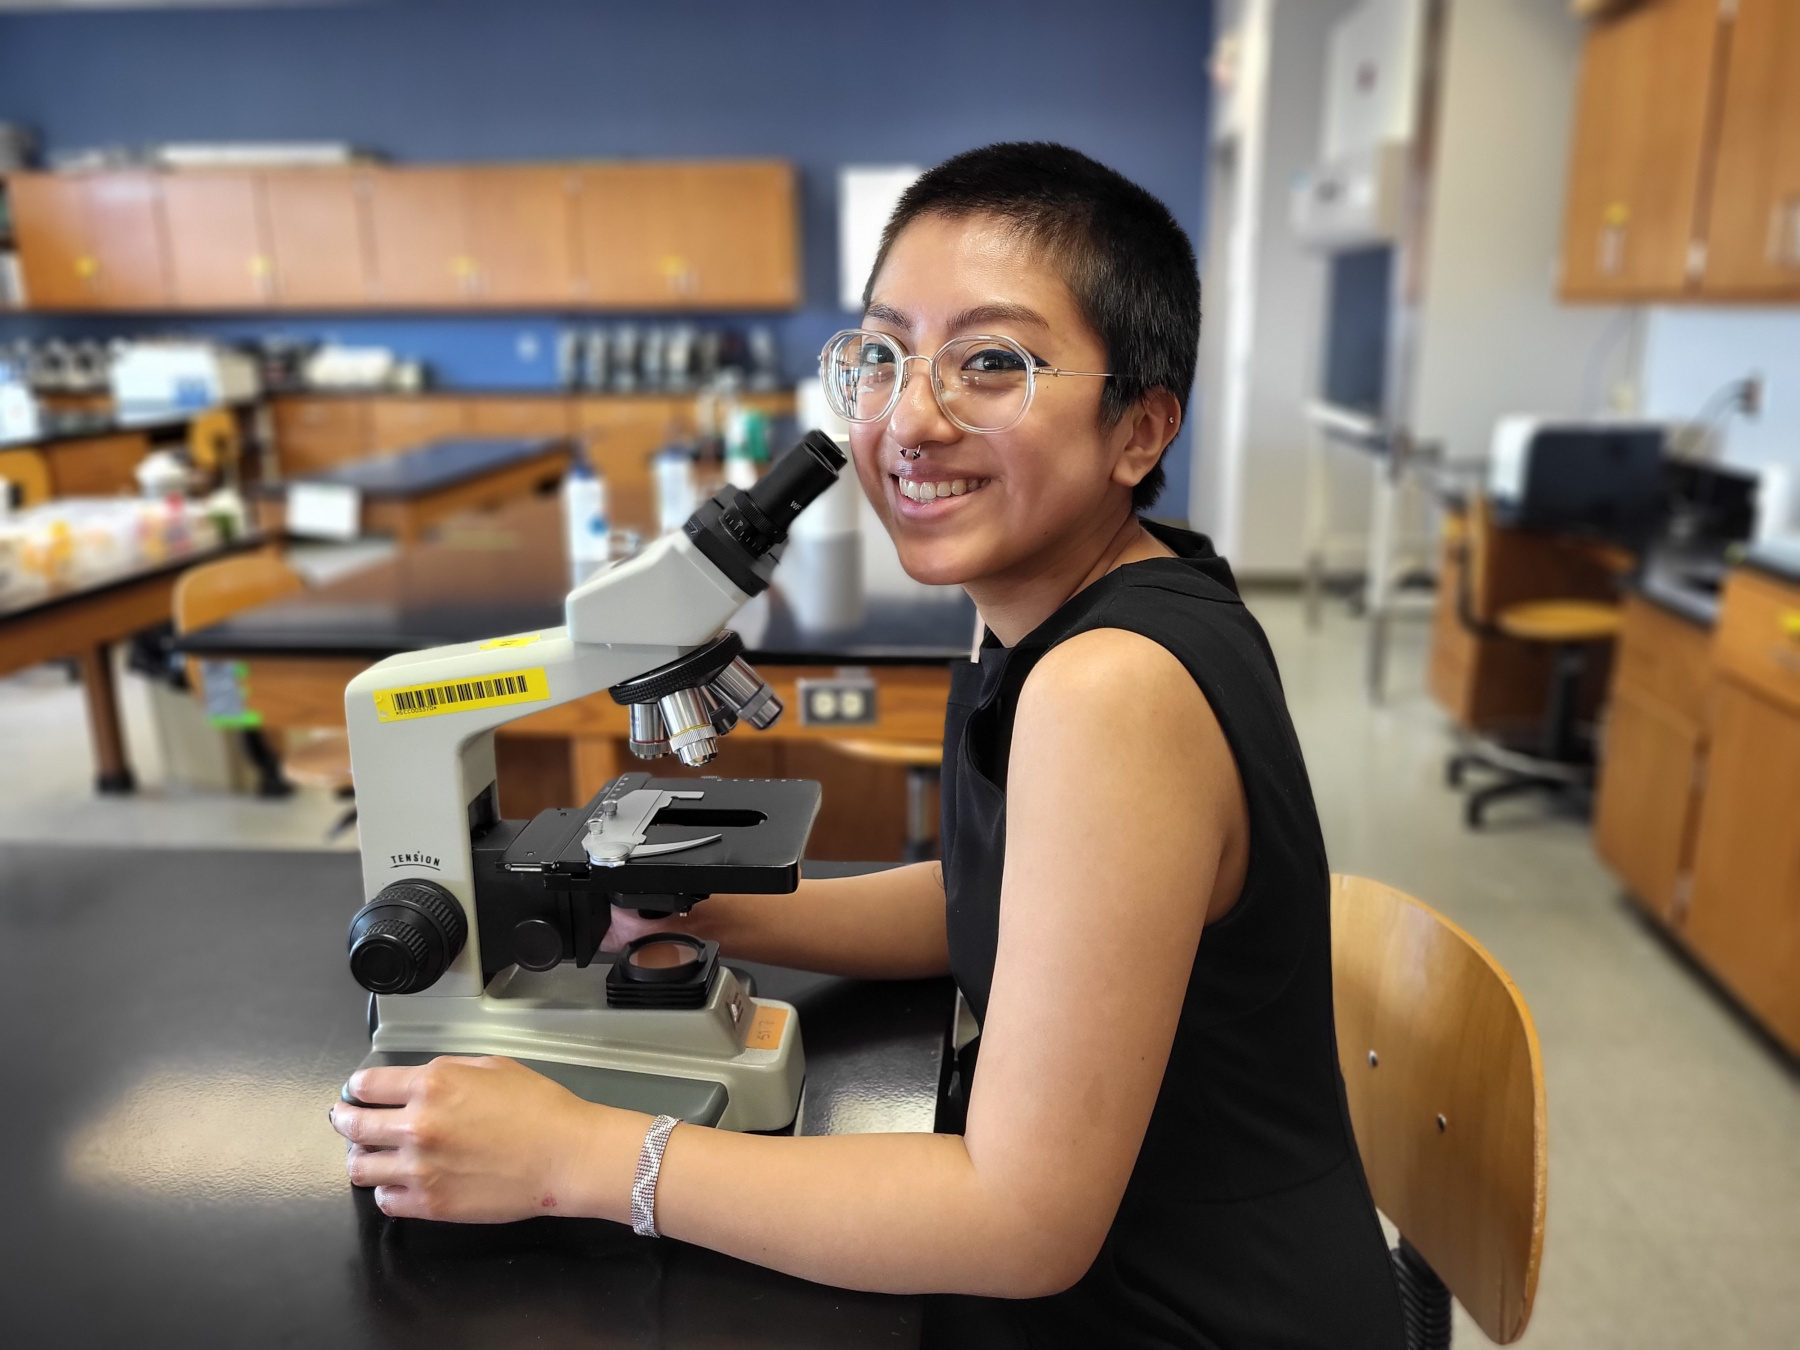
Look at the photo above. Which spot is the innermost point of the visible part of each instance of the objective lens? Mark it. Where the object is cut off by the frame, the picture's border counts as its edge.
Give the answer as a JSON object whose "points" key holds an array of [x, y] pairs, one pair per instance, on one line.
{"points": [[739, 687], [649, 737], [691, 732]]}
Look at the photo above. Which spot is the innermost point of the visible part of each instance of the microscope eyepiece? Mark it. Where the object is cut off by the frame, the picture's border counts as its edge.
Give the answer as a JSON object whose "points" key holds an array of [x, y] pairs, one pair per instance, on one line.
{"points": [[737, 528], [795, 481]]}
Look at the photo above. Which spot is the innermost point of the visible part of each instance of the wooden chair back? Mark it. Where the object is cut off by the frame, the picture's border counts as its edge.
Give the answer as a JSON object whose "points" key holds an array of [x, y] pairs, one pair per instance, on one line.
{"points": [[1446, 1089], [30, 472], [217, 590]]}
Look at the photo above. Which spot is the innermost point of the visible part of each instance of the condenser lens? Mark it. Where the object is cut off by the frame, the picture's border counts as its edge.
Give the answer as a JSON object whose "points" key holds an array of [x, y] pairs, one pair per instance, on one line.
{"points": [[664, 955]]}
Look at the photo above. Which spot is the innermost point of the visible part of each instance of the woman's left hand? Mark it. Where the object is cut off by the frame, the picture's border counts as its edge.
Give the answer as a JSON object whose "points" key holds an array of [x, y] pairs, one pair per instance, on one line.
{"points": [[485, 1141]]}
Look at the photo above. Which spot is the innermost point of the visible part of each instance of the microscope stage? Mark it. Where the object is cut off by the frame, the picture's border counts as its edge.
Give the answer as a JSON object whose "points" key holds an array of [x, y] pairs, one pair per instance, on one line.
{"points": [[756, 828]]}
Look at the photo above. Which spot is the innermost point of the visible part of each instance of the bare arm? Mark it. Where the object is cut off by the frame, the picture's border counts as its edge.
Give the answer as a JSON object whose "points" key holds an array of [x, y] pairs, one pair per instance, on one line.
{"points": [[884, 926], [1124, 818]]}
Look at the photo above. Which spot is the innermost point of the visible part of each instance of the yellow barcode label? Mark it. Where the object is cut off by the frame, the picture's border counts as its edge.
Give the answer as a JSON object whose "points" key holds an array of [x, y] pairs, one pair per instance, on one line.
{"points": [[452, 696], [524, 640]]}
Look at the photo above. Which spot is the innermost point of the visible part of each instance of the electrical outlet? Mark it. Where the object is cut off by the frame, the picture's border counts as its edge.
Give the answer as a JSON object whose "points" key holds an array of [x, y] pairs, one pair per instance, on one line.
{"points": [[846, 701]]}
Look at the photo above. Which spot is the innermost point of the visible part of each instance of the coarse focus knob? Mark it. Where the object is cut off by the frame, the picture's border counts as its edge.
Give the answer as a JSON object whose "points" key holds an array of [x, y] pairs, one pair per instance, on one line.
{"points": [[406, 937]]}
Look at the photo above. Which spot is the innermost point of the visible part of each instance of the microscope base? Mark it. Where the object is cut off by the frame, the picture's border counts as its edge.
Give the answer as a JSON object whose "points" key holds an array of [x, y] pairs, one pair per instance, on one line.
{"points": [[744, 1051], [695, 1101]]}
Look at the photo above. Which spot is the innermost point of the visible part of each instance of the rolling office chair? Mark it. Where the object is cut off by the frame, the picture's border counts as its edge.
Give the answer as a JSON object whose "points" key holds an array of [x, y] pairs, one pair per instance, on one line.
{"points": [[1559, 760], [1446, 1089], [214, 591]]}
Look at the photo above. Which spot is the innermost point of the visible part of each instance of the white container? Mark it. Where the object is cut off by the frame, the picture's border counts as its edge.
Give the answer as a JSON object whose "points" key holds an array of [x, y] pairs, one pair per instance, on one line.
{"points": [[585, 523], [677, 489]]}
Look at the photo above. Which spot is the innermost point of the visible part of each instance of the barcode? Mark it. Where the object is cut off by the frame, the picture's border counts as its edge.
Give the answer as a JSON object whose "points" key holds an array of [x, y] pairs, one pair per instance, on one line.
{"points": [[430, 697]]}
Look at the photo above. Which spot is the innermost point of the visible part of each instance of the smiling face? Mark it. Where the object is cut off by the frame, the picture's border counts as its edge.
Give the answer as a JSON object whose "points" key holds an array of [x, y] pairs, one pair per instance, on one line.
{"points": [[975, 508]]}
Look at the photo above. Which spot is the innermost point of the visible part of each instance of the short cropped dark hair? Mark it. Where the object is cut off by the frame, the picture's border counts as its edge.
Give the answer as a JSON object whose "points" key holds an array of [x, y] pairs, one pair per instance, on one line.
{"points": [[1128, 264]]}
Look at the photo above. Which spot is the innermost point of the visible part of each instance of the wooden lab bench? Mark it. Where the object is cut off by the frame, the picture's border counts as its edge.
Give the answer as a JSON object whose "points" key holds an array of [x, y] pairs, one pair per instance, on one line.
{"points": [[1698, 811]]}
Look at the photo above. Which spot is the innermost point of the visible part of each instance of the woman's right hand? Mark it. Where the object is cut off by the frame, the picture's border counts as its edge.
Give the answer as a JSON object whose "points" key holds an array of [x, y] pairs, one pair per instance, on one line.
{"points": [[628, 925]]}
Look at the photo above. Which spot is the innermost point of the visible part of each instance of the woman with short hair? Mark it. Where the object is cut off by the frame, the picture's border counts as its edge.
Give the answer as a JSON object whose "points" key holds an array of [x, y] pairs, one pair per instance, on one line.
{"points": [[1133, 898]]}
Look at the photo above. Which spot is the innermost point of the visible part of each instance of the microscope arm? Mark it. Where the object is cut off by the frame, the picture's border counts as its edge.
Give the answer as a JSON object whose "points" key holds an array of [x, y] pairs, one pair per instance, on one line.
{"points": [[422, 724]]}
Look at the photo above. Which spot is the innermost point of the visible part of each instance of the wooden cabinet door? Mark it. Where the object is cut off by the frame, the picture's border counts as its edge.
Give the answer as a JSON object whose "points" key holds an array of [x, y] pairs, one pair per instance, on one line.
{"points": [[1753, 231], [125, 230], [316, 238], [418, 238], [542, 415], [687, 236], [618, 436], [1641, 140], [522, 234], [99, 467], [406, 423], [218, 254], [49, 215], [317, 433], [1745, 918], [1644, 811]]}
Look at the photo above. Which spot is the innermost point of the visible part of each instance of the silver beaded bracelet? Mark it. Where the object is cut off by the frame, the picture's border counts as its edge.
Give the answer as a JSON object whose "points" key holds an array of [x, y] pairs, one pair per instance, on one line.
{"points": [[643, 1186]]}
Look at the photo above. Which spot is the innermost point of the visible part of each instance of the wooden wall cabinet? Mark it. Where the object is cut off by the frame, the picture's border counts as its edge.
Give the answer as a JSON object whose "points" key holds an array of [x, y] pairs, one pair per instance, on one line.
{"points": [[418, 239], [218, 252], [1647, 805], [1642, 136], [690, 236], [521, 235], [555, 236], [1753, 231], [316, 238], [1684, 173], [89, 241]]}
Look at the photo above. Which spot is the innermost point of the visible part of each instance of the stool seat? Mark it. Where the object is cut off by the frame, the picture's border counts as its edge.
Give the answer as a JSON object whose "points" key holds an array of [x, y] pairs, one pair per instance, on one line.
{"points": [[323, 761], [912, 754], [1559, 621]]}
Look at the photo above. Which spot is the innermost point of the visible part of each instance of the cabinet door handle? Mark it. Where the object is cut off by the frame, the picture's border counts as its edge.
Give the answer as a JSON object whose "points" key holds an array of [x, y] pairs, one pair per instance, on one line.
{"points": [[1783, 244]]}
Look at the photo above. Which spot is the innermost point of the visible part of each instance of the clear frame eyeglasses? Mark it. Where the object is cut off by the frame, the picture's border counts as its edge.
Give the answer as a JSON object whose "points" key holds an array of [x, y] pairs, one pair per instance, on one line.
{"points": [[983, 383]]}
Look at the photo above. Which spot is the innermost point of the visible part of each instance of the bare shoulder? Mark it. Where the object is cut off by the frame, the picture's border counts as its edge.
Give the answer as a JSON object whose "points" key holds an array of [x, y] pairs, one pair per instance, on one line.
{"points": [[1112, 670]]}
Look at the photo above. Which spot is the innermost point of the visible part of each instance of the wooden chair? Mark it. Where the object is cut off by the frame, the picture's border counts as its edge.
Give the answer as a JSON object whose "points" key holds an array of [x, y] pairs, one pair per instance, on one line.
{"points": [[1446, 1089], [1560, 761], [923, 761], [215, 591], [29, 474]]}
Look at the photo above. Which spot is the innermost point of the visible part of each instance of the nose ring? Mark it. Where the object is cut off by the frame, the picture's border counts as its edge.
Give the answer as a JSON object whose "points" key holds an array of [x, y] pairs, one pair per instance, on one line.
{"points": [[910, 452]]}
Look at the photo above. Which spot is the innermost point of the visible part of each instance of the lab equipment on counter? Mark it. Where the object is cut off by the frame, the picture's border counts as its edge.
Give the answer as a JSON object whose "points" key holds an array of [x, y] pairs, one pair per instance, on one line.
{"points": [[479, 935], [179, 374], [1603, 479]]}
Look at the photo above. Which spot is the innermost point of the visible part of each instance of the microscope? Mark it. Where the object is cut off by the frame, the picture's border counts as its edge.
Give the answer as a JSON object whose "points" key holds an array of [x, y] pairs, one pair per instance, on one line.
{"points": [[479, 935]]}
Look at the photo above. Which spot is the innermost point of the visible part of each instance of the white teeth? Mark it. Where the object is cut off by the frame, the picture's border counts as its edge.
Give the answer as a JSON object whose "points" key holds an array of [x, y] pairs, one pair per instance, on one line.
{"points": [[931, 491]]}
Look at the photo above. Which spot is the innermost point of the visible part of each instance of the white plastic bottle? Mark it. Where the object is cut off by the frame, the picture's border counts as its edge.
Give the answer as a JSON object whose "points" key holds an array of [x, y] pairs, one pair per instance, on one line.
{"points": [[584, 521]]}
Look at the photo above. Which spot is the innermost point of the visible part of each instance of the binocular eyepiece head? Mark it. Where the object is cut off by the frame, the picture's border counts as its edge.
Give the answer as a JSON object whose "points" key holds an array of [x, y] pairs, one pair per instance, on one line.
{"points": [[682, 708]]}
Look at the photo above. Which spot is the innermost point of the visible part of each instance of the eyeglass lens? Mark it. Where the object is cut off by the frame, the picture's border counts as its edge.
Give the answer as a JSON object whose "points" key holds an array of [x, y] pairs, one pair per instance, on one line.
{"points": [[983, 382]]}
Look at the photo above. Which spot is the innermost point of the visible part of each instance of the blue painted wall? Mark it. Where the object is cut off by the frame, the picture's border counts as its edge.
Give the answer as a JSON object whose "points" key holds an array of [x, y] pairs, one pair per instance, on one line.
{"points": [[821, 84]]}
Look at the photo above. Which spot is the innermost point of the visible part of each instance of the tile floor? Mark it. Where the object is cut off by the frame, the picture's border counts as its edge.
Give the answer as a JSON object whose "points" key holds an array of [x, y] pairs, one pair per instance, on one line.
{"points": [[1674, 1211]]}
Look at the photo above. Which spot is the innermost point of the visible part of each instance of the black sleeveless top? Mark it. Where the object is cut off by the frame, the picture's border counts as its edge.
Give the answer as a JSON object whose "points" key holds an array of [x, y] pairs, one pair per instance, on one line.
{"points": [[1247, 1221]]}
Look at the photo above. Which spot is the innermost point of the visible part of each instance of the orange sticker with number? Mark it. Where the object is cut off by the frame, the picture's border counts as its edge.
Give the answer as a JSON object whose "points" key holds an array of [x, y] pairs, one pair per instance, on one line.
{"points": [[766, 1028]]}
